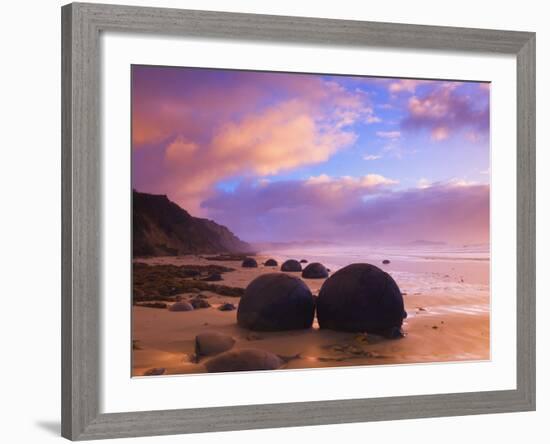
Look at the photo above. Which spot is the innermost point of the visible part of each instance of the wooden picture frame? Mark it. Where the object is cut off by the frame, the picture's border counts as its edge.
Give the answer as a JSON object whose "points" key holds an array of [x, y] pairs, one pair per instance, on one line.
{"points": [[81, 172]]}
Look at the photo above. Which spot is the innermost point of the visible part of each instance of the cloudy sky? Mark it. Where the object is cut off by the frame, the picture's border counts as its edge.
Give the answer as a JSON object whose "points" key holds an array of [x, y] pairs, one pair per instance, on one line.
{"points": [[293, 157]]}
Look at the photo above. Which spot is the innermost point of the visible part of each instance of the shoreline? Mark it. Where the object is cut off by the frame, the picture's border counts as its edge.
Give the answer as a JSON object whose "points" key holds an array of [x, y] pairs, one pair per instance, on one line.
{"points": [[448, 320]]}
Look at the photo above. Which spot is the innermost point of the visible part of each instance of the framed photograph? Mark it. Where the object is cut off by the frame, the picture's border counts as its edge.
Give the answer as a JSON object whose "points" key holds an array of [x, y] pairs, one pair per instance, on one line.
{"points": [[292, 221]]}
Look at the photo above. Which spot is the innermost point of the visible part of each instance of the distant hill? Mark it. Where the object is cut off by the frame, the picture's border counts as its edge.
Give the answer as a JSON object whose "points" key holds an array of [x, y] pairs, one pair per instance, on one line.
{"points": [[162, 228]]}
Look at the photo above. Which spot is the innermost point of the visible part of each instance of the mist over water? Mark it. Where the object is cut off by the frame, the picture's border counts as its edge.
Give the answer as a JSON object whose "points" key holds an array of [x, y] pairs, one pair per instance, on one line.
{"points": [[460, 272], [336, 257]]}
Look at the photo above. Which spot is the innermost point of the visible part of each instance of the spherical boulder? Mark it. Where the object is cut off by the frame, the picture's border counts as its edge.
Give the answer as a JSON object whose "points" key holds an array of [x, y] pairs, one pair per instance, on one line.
{"points": [[276, 302], [249, 263], [291, 265], [315, 270], [361, 297], [244, 360], [181, 306], [303, 261], [271, 263]]}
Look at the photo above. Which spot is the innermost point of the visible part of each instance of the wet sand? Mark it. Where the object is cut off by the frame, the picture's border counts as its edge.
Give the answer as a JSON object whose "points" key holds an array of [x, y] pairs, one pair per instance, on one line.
{"points": [[447, 303]]}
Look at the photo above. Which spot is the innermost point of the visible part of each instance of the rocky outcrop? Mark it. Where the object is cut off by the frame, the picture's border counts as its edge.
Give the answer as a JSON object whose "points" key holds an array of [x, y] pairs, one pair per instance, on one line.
{"points": [[162, 228]]}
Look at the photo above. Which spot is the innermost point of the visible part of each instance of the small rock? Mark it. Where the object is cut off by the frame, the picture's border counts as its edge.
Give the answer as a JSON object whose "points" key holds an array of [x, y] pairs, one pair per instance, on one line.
{"points": [[155, 371], [181, 306], [385, 261], [199, 303], [152, 304], [214, 277], [362, 338], [244, 360], [271, 263], [303, 261], [212, 343], [226, 307]]}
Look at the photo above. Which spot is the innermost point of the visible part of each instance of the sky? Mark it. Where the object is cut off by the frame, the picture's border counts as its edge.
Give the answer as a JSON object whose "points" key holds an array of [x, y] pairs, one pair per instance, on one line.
{"points": [[286, 157]]}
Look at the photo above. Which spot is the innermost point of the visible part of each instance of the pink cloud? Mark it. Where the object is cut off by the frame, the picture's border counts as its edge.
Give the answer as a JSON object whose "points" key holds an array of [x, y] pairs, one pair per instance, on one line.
{"points": [[354, 210], [444, 110], [440, 133], [406, 85], [192, 120]]}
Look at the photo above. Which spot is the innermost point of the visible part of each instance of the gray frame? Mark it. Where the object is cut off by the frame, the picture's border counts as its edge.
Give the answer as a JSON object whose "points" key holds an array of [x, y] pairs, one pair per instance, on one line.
{"points": [[81, 167]]}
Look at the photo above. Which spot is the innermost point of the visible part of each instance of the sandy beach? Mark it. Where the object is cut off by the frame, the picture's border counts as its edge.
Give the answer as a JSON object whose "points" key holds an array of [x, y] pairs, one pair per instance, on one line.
{"points": [[446, 298]]}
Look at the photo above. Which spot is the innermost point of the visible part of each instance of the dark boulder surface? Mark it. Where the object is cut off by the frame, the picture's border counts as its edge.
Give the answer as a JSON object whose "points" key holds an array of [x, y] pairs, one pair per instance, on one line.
{"points": [[291, 265], [315, 270], [303, 261], [271, 263], [212, 343], [276, 302], [181, 306], [250, 263], [361, 297], [244, 360]]}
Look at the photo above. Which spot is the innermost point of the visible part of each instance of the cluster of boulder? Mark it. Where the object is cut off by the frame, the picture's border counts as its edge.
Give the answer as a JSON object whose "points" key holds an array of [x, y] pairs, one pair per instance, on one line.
{"points": [[357, 298]]}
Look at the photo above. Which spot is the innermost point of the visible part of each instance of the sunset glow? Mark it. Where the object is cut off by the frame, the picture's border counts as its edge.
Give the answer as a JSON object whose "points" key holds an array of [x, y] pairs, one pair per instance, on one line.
{"points": [[300, 157]]}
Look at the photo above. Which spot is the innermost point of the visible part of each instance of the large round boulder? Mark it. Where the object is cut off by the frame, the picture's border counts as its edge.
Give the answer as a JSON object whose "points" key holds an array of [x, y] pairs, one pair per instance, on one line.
{"points": [[315, 270], [271, 263], [276, 302], [244, 360], [249, 263], [291, 265], [361, 297]]}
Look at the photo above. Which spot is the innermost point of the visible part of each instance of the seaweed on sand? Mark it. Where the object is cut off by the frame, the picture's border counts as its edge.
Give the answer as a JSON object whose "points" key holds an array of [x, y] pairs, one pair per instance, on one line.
{"points": [[163, 282]]}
